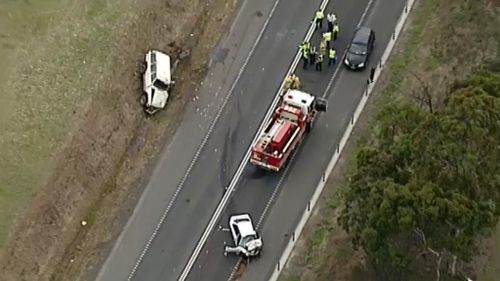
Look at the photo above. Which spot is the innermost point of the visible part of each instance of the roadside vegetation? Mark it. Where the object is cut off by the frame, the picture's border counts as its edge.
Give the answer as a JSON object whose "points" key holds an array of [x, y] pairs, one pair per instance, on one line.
{"points": [[416, 195], [74, 143]]}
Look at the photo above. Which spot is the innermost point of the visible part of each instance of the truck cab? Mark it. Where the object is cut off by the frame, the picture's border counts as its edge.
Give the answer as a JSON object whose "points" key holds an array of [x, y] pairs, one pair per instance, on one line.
{"points": [[157, 81]]}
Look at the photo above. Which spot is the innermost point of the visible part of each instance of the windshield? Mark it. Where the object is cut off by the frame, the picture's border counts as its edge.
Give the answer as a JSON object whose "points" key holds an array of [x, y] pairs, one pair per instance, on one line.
{"points": [[160, 85], [357, 49], [246, 239]]}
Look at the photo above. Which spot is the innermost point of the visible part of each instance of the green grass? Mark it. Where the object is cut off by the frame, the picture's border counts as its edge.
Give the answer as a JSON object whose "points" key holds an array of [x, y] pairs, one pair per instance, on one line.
{"points": [[54, 54]]}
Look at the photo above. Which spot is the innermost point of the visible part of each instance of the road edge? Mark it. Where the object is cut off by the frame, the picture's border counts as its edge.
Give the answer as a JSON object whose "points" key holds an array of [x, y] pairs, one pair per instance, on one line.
{"points": [[340, 147]]}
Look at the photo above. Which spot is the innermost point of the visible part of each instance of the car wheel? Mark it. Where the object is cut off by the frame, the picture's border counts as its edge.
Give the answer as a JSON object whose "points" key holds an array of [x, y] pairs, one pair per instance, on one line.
{"points": [[142, 67], [143, 100]]}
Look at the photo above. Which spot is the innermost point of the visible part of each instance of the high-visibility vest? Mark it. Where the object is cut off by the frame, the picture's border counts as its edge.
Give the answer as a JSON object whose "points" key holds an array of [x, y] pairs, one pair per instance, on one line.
{"points": [[320, 58], [320, 15], [332, 53], [308, 47], [336, 28], [327, 36]]}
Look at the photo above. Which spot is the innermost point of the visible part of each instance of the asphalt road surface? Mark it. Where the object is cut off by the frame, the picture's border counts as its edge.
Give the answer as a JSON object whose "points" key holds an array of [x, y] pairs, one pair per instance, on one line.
{"points": [[197, 191], [188, 182], [286, 194]]}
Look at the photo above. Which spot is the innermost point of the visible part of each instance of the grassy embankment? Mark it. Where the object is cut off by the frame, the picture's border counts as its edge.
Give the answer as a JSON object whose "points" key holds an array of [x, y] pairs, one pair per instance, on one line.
{"points": [[53, 53], [74, 143], [443, 42]]}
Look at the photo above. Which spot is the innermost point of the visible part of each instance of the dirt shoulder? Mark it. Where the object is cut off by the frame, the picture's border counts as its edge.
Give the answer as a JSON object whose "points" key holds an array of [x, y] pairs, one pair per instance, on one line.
{"points": [[96, 175], [442, 41]]}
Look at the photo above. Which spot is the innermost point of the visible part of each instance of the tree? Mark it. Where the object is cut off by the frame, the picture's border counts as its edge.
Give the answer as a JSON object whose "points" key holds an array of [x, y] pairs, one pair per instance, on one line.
{"points": [[428, 182]]}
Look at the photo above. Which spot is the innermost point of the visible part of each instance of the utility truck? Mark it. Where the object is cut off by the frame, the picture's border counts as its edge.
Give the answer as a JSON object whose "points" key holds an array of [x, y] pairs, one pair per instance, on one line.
{"points": [[290, 122]]}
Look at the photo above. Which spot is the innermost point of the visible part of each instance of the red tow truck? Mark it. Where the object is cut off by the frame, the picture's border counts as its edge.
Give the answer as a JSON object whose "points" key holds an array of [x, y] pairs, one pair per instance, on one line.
{"points": [[289, 124]]}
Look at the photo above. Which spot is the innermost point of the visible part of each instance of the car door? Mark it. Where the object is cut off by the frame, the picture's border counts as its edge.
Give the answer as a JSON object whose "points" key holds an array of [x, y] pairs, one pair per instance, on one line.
{"points": [[235, 231]]}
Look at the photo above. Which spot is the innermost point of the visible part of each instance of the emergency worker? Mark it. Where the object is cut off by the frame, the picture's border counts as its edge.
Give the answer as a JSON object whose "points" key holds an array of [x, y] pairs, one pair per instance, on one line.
{"points": [[327, 36], [295, 82], [322, 47], [314, 53], [319, 19], [319, 62], [305, 49], [336, 30], [331, 18], [332, 56]]}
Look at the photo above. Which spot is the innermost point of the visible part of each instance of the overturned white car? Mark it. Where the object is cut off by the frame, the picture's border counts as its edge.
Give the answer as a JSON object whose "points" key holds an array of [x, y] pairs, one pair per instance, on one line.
{"points": [[246, 240], [157, 81]]}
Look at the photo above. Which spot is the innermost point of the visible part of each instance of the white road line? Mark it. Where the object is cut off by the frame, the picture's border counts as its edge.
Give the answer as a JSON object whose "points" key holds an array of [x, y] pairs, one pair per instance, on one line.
{"points": [[246, 158], [305, 216], [203, 143]]}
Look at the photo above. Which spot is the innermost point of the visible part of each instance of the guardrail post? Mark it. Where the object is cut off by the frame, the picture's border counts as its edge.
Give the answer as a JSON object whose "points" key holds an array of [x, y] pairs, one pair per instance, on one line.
{"points": [[380, 63], [278, 266], [406, 8], [394, 35], [338, 148], [352, 120], [309, 206], [293, 236], [323, 177]]}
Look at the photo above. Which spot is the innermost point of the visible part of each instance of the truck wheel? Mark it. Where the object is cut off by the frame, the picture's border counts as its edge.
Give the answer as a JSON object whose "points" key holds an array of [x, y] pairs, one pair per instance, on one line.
{"points": [[309, 127]]}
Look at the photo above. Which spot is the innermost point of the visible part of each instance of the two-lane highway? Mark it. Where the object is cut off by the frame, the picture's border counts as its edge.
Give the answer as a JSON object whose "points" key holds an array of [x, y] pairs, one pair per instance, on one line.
{"points": [[276, 201], [176, 237]]}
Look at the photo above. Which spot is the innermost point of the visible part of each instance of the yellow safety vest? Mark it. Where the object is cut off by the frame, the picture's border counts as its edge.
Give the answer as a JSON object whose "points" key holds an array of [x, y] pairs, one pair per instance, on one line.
{"points": [[332, 53], [320, 15], [335, 28], [327, 36]]}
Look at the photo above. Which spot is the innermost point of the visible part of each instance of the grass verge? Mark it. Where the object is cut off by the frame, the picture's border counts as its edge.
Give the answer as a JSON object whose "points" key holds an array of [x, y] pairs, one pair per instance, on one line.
{"points": [[443, 41], [53, 53]]}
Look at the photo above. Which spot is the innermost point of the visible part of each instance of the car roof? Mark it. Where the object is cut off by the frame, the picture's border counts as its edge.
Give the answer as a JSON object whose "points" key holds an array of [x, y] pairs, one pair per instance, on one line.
{"points": [[244, 223], [361, 35]]}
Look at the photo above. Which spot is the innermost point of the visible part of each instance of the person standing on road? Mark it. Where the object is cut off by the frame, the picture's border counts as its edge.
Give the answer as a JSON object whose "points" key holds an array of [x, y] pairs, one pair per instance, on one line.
{"points": [[305, 49], [332, 56], [319, 19], [331, 18], [336, 30], [322, 47], [319, 62], [314, 53], [327, 36]]}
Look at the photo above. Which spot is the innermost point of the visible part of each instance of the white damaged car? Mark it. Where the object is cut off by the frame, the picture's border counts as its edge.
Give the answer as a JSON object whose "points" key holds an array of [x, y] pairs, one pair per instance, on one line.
{"points": [[247, 241], [157, 81]]}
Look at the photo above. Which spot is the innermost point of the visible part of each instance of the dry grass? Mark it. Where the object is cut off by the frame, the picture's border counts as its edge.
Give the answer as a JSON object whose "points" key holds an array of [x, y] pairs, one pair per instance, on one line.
{"points": [[444, 41], [75, 135]]}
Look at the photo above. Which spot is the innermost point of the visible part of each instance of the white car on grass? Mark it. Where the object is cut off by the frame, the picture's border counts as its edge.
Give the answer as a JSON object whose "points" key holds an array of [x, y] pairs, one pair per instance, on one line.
{"points": [[157, 81], [247, 241]]}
